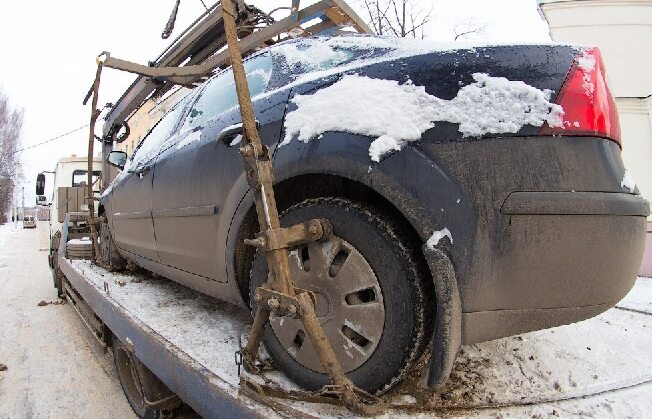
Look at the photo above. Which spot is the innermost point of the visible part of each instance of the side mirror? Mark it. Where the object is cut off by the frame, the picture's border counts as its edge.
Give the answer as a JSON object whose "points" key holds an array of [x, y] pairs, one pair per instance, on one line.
{"points": [[40, 184], [117, 159]]}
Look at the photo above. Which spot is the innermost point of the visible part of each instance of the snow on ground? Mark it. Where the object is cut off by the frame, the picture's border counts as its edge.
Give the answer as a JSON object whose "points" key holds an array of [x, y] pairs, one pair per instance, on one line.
{"points": [[399, 113], [599, 367], [639, 299], [53, 368]]}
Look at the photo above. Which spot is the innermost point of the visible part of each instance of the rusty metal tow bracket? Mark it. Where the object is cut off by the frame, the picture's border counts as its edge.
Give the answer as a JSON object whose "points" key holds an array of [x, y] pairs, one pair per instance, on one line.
{"points": [[95, 113], [280, 296]]}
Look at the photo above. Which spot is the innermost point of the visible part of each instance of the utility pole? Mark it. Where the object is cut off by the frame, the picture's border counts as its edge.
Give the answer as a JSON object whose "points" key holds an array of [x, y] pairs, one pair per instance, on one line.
{"points": [[23, 202]]}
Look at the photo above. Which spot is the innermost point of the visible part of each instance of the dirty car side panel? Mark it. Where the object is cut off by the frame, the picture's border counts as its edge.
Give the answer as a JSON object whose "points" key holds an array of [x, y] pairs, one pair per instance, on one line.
{"points": [[201, 175], [522, 271]]}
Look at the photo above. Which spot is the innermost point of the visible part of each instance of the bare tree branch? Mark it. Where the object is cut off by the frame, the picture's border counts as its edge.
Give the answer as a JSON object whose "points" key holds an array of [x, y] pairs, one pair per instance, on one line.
{"points": [[11, 122], [470, 26], [402, 18]]}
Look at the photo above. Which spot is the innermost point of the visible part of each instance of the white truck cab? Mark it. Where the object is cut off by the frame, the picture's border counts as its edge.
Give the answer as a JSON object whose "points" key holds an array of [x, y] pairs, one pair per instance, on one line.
{"points": [[68, 193]]}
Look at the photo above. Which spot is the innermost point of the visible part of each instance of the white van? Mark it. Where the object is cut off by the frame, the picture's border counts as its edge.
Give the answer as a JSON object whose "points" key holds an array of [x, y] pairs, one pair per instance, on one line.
{"points": [[29, 222]]}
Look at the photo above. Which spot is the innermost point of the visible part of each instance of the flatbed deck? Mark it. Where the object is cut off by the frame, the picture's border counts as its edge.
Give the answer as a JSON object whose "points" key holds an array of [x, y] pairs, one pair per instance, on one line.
{"points": [[188, 340]]}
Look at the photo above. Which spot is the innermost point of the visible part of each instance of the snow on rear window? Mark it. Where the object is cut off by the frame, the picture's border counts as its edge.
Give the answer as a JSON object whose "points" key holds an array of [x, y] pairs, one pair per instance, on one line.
{"points": [[314, 55], [400, 113], [324, 53]]}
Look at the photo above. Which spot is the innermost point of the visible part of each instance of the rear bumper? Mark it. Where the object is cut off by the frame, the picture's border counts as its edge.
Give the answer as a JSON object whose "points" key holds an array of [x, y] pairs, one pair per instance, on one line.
{"points": [[564, 257]]}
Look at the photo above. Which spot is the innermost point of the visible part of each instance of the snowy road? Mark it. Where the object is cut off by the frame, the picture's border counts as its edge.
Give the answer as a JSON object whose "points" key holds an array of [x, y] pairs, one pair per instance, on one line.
{"points": [[53, 369], [601, 367]]}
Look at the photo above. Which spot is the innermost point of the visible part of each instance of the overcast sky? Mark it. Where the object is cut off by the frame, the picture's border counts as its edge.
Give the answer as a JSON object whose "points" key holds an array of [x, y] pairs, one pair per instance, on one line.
{"points": [[48, 49]]}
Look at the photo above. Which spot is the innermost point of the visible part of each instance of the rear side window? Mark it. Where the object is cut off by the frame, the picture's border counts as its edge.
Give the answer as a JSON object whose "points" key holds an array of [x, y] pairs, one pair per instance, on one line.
{"points": [[154, 142], [220, 95]]}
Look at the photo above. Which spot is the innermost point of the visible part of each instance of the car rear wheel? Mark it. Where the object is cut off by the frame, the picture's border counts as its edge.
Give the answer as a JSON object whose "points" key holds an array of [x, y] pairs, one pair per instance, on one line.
{"points": [[372, 298]]}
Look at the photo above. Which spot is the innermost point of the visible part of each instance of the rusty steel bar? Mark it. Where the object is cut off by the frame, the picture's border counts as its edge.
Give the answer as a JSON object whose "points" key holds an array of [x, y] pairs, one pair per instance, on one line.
{"points": [[91, 143], [256, 335], [277, 260]]}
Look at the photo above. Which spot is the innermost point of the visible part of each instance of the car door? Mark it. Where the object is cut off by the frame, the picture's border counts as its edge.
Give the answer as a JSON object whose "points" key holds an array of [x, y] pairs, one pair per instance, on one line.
{"points": [[193, 179], [131, 199]]}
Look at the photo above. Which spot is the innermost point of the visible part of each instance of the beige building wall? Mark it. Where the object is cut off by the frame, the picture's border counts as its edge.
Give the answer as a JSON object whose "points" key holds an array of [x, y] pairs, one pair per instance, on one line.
{"points": [[636, 125]]}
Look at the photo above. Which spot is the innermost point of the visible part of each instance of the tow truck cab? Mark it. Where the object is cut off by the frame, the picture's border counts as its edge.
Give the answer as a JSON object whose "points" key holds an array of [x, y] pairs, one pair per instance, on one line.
{"points": [[68, 192]]}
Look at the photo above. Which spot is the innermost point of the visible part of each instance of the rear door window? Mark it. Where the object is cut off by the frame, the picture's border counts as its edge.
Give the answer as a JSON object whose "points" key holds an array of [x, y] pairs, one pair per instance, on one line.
{"points": [[219, 94], [155, 142]]}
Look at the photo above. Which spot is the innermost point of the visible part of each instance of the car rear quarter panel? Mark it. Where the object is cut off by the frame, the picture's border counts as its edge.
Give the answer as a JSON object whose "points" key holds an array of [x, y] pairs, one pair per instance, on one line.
{"points": [[530, 270]]}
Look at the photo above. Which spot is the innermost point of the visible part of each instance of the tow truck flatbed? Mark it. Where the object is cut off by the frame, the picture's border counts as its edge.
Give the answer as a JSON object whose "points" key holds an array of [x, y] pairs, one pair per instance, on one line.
{"points": [[170, 346], [188, 341]]}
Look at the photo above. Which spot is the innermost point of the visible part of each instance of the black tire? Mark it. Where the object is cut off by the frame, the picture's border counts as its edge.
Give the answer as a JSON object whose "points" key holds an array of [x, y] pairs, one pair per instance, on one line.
{"points": [[405, 287], [134, 377], [109, 252]]}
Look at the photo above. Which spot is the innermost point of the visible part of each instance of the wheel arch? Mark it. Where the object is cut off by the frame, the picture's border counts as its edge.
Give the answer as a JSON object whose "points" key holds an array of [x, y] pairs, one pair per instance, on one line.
{"points": [[296, 189], [409, 187]]}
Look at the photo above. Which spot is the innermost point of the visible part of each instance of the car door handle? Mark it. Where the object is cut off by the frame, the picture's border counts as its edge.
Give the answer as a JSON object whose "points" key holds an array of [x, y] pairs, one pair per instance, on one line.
{"points": [[142, 171], [227, 134]]}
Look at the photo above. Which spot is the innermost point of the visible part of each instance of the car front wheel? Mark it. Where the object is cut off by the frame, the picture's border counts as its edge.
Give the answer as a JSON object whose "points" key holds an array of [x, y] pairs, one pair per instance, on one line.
{"points": [[373, 297], [108, 250]]}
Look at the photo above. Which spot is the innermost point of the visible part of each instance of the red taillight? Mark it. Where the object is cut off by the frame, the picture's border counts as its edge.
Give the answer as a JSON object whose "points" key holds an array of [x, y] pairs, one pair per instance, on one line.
{"points": [[589, 107]]}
